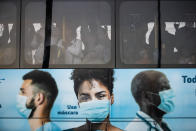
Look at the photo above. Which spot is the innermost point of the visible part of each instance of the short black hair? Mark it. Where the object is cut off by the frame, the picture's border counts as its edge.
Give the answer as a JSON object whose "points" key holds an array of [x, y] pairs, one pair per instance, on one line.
{"points": [[146, 81], [44, 82], [105, 76]]}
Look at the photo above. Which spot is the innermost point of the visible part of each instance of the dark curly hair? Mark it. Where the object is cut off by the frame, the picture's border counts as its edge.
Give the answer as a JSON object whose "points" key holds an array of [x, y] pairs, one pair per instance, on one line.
{"points": [[105, 76]]}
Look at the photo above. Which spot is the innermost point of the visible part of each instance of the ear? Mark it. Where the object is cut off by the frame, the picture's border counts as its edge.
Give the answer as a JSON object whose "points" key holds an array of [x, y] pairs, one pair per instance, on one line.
{"points": [[112, 98], [39, 99], [147, 98]]}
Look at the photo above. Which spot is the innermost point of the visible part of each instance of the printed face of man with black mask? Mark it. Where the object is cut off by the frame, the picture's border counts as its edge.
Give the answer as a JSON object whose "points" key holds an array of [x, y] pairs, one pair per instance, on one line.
{"points": [[35, 99], [153, 94], [93, 88]]}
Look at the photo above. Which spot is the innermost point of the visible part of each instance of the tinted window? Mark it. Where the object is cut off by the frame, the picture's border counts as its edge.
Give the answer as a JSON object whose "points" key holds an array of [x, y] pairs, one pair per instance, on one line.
{"points": [[81, 33], [138, 43], [8, 21], [33, 32], [178, 31]]}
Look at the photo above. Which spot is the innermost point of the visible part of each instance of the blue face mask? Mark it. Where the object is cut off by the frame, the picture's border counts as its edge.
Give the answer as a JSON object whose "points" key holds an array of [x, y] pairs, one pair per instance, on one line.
{"points": [[95, 111], [167, 104], [21, 106]]}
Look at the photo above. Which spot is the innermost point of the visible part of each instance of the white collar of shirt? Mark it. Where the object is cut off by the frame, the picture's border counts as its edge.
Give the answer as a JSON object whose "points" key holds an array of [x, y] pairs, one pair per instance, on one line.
{"points": [[151, 121]]}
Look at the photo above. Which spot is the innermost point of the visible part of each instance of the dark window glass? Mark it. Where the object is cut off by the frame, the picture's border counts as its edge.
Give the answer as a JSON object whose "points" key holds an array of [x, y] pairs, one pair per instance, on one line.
{"points": [[33, 32], [81, 32], [178, 31], [8, 21], [138, 43]]}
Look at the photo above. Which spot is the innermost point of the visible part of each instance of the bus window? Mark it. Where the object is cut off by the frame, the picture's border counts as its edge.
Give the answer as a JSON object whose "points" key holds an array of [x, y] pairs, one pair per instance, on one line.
{"points": [[33, 33], [137, 43], [8, 46], [178, 33], [81, 32]]}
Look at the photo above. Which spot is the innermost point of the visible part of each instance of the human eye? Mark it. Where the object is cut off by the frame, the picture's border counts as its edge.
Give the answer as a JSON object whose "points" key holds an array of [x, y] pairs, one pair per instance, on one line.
{"points": [[84, 98], [101, 96]]}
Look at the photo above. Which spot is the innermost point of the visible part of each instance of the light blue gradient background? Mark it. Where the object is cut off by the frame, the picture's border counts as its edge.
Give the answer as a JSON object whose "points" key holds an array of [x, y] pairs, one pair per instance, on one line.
{"points": [[122, 111]]}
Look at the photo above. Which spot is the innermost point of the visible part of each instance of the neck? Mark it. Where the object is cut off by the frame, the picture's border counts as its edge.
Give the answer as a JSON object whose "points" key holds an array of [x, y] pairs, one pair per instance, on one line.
{"points": [[154, 113], [39, 117], [104, 125]]}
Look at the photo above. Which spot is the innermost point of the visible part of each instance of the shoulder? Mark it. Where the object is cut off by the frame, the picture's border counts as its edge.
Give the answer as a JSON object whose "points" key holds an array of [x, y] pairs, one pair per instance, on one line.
{"points": [[136, 125], [113, 128], [80, 128], [50, 126]]}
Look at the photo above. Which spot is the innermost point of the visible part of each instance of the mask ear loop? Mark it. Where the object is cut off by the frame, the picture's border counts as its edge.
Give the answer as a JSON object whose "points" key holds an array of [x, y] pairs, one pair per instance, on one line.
{"points": [[151, 102], [33, 97], [152, 93], [33, 109], [110, 108]]}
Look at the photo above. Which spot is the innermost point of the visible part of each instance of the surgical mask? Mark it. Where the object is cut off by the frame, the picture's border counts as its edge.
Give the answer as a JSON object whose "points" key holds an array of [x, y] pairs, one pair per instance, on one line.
{"points": [[21, 106], [95, 111], [167, 104]]}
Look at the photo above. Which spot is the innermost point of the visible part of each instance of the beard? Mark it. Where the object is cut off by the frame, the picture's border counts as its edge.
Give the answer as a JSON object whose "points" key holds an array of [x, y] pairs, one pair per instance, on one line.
{"points": [[31, 104]]}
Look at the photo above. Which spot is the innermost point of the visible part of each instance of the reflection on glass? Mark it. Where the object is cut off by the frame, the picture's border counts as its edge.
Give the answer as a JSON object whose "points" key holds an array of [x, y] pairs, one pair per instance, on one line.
{"points": [[138, 32], [81, 32], [7, 33], [34, 33], [84, 32], [178, 32]]}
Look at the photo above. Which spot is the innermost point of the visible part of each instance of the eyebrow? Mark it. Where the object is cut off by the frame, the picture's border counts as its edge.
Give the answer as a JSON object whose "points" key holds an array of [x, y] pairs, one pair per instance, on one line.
{"points": [[85, 94], [100, 92]]}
